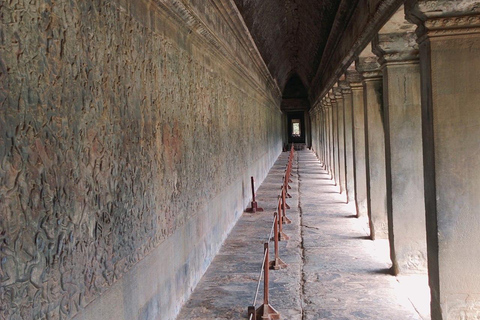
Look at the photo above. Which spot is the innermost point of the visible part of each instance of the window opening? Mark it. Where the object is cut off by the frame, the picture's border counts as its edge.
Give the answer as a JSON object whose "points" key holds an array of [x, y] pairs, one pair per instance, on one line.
{"points": [[296, 132]]}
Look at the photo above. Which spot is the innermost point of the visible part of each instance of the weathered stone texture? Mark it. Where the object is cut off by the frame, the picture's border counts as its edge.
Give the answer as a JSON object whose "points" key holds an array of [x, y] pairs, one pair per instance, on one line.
{"points": [[114, 131]]}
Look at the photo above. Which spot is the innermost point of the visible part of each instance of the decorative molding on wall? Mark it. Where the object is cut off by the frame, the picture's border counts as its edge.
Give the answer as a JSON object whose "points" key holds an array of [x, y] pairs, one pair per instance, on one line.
{"points": [[236, 40]]}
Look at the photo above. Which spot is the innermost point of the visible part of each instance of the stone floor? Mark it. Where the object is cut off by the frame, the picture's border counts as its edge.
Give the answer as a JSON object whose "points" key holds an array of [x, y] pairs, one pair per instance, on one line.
{"points": [[334, 271]]}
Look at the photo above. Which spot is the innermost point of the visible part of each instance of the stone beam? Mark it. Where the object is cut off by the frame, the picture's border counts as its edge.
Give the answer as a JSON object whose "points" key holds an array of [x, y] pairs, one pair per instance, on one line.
{"points": [[356, 25]]}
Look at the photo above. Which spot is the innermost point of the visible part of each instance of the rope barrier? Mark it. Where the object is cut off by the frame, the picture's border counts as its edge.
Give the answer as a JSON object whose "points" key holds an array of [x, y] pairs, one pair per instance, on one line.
{"points": [[259, 279], [271, 230], [266, 311]]}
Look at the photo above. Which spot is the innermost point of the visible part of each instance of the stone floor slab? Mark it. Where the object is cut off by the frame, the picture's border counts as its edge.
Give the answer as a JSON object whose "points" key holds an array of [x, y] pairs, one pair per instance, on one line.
{"points": [[334, 271]]}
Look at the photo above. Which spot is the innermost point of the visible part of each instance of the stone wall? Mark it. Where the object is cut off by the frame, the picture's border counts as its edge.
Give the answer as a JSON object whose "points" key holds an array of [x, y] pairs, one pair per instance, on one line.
{"points": [[128, 132]]}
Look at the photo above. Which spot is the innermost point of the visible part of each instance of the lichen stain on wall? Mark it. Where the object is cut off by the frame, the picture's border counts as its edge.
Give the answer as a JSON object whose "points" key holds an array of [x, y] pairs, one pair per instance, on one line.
{"points": [[111, 137]]}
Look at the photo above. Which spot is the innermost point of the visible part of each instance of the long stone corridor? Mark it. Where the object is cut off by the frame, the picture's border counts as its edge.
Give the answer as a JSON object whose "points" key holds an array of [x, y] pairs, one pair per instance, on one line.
{"points": [[334, 271]]}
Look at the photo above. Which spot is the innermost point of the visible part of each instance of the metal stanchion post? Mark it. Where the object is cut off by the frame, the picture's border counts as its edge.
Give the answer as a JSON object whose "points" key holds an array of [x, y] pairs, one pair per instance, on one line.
{"points": [[255, 206], [276, 263]]}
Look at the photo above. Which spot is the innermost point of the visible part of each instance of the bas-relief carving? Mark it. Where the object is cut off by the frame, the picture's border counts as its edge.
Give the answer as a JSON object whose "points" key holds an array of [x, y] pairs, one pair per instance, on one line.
{"points": [[445, 17], [413, 259], [463, 309], [109, 141], [435, 8]]}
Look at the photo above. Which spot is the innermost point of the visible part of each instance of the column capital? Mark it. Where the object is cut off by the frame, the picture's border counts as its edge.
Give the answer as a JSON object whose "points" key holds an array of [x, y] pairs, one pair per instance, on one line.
{"points": [[368, 67], [356, 86], [331, 96], [396, 42], [367, 64], [443, 17], [396, 47], [337, 91], [344, 86], [328, 102], [353, 76]]}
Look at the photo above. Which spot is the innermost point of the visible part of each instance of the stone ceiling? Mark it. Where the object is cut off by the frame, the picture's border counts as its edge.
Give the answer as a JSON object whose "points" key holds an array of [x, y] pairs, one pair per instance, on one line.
{"points": [[315, 39], [291, 35]]}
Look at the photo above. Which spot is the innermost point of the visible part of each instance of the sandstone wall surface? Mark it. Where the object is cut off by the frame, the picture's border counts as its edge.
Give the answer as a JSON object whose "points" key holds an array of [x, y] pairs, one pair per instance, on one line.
{"points": [[128, 132]]}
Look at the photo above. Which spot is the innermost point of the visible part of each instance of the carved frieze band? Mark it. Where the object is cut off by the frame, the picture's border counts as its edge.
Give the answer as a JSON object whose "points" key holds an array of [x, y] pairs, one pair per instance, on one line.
{"points": [[443, 18], [187, 15]]}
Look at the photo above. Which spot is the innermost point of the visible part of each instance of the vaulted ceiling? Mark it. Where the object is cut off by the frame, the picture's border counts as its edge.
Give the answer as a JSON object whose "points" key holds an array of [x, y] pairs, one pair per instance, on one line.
{"points": [[290, 34], [314, 39]]}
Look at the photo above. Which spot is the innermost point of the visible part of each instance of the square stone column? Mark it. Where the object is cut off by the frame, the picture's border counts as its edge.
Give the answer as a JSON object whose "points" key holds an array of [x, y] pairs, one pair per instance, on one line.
{"points": [[318, 125], [332, 139], [449, 43], [323, 133], [397, 50], [321, 128], [349, 165], [375, 146], [341, 138], [359, 153], [328, 136], [329, 127], [315, 132], [335, 158]]}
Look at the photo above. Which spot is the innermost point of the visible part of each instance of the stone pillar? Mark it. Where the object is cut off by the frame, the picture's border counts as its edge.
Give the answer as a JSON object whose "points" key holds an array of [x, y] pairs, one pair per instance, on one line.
{"points": [[348, 114], [318, 135], [308, 129], [329, 131], [313, 129], [320, 124], [398, 53], [375, 146], [316, 132], [326, 134], [341, 138], [335, 158], [331, 141], [360, 168], [449, 43]]}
